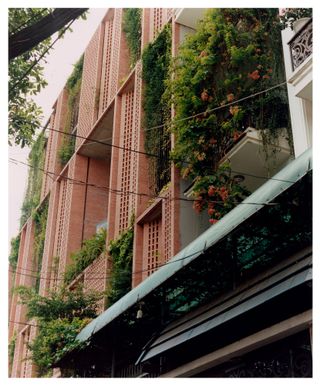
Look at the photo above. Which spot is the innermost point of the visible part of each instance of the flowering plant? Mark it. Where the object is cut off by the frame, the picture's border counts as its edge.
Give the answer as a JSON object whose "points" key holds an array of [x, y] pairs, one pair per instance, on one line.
{"points": [[217, 193], [234, 54]]}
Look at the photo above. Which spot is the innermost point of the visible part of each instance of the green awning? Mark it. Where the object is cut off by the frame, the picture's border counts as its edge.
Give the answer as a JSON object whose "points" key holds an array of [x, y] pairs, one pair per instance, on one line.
{"points": [[283, 180]]}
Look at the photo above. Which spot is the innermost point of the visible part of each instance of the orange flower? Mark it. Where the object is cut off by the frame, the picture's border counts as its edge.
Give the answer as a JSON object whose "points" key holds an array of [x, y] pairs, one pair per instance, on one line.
{"points": [[213, 221], [211, 211], [254, 75], [266, 77], [234, 110], [204, 95], [230, 97], [211, 190]]}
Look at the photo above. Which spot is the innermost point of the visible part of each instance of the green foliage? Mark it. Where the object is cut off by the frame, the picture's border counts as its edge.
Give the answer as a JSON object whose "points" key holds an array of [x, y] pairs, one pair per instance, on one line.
{"points": [[131, 26], [157, 110], [14, 252], [121, 252], [73, 85], [36, 162], [60, 316], [91, 249], [11, 349], [24, 114], [290, 15], [40, 219], [233, 54]]}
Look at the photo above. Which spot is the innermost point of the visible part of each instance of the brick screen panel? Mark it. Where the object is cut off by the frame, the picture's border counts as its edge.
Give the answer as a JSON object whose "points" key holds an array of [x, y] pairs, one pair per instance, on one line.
{"points": [[125, 158], [95, 278], [47, 180], [167, 225], [115, 54], [106, 65], [152, 247], [89, 93], [135, 136]]}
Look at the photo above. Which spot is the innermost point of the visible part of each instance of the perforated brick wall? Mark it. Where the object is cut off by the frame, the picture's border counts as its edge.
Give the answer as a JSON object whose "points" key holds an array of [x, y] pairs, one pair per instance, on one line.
{"points": [[89, 96], [125, 159], [135, 143], [152, 247], [167, 225], [95, 278], [115, 54]]}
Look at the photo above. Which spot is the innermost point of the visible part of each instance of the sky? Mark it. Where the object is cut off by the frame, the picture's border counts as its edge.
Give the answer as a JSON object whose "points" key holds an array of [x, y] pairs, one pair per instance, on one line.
{"points": [[59, 66]]}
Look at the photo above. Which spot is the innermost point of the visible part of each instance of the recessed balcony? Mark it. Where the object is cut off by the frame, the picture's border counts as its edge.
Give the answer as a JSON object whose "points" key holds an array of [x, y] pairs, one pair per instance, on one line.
{"points": [[254, 164], [189, 16]]}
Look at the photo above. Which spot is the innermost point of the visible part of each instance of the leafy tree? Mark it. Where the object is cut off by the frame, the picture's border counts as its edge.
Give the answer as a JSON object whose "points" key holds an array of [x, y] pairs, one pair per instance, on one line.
{"points": [[59, 316], [26, 76]]}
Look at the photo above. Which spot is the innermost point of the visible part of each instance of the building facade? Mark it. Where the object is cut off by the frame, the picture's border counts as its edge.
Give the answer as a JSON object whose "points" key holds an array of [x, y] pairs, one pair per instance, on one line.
{"points": [[107, 183]]}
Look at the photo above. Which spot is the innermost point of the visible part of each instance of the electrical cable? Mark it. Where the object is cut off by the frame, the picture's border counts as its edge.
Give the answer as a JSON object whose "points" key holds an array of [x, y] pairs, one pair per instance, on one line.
{"points": [[121, 192]]}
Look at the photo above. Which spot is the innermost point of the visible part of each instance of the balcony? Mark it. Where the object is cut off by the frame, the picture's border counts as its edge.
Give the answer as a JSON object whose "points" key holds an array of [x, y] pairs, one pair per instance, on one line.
{"points": [[301, 45]]}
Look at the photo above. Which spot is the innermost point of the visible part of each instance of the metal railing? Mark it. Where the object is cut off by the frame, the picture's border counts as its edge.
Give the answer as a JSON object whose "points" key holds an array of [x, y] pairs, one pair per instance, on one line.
{"points": [[301, 45]]}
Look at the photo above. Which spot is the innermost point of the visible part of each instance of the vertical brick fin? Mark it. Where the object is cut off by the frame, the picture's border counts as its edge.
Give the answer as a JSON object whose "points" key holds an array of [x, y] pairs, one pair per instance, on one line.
{"points": [[59, 230], [47, 260], [115, 54], [125, 158], [18, 356], [167, 226], [94, 278], [89, 94], [135, 137], [106, 65], [66, 224], [47, 181]]}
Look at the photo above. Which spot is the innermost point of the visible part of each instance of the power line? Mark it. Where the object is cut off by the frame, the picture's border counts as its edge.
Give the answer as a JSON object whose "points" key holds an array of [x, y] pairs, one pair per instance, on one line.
{"points": [[34, 16], [171, 124], [121, 192], [108, 277], [26, 324]]}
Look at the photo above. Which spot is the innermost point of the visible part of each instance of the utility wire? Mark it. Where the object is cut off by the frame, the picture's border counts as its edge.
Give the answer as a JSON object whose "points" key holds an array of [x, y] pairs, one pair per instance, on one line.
{"points": [[121, 192], [40, 13], [163, 125], [108, 277]]}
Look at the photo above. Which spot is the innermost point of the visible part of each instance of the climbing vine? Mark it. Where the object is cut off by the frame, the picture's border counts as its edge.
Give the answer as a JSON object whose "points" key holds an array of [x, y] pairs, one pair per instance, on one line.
{"points": [[131, 26], [90, 250], [121, 252], [233, 54], [14, 251], [73, 86], [157, 110], [36, 161], [40, 220]]}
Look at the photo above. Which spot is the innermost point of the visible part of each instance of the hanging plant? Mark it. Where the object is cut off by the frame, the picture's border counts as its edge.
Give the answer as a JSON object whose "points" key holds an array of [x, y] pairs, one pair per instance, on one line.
{"points": [[40, 219], [218, 193], [233, 54], [156, 106], [90, 250], [131, 26], [121, 252], [73, 86], [36, 161]]}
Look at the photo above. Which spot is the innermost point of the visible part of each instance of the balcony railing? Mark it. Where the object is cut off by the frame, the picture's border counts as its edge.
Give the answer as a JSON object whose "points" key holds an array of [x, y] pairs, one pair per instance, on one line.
{"points": [[301, 45]]}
